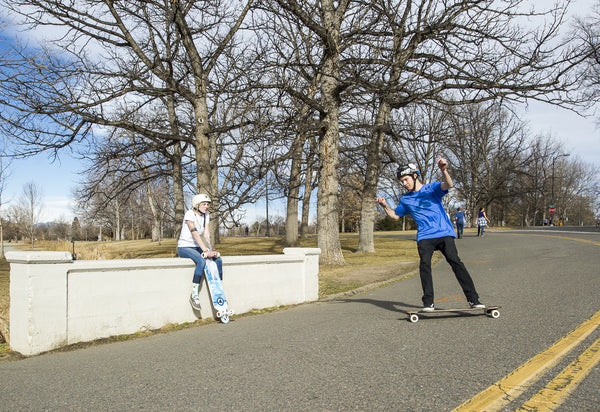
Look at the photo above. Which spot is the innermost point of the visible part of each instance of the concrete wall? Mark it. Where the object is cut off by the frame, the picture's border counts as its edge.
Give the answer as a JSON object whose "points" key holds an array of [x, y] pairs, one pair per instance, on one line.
{"points": [[56, 301]]}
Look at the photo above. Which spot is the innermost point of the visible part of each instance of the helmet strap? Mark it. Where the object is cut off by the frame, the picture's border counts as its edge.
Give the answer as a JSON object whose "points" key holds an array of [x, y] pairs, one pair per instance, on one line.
{"points": [[414, 182]]}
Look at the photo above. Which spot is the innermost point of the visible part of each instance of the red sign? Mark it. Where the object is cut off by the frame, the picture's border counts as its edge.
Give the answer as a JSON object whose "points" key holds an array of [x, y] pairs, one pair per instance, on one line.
{"points": [[552, 210]]}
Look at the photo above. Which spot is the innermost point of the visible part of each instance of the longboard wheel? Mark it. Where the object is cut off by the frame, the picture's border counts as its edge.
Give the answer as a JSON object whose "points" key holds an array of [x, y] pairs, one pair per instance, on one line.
{"points": [[494, 313], [224, 319], [414, 318]]}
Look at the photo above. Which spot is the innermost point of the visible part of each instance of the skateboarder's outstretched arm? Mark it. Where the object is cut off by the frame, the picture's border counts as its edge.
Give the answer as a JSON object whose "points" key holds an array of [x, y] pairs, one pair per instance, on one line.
{"points": [[447, 183], [388, 210]]}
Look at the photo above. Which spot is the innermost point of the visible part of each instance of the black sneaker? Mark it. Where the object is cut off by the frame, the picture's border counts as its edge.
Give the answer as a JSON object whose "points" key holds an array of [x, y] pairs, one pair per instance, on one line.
{"points": [[476, 305], [429, 308]]}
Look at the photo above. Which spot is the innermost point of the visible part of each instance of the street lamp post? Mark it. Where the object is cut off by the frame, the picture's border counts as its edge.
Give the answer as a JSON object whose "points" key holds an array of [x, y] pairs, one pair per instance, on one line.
{"points": [[553, 161]]}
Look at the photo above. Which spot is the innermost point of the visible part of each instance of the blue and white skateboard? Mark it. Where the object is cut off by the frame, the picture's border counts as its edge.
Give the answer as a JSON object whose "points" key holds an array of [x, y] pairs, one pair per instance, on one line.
{"points": [[215, 289]]}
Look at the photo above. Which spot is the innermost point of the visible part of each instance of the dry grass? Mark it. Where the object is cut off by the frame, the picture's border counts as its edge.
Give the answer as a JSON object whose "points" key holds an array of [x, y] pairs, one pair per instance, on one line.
{"points": [[393, 258]]}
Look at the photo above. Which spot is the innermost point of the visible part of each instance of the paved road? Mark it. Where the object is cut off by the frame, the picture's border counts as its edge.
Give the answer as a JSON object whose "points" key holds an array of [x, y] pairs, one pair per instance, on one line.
{"points": [[358, 353]]}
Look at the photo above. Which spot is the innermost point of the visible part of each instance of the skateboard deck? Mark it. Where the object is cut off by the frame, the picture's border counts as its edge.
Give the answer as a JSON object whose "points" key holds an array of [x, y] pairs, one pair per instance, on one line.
{"points": [[215, 289], [491, 311]]}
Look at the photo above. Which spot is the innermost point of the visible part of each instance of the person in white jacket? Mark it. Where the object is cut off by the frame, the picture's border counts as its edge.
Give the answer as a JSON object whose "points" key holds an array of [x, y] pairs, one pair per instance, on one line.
{"points": [[194, 243]]}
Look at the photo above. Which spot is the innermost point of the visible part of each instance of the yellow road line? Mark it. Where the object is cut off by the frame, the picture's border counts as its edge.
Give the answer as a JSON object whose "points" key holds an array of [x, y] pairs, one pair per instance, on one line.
{"points": [[555, 393], [515, 383]]}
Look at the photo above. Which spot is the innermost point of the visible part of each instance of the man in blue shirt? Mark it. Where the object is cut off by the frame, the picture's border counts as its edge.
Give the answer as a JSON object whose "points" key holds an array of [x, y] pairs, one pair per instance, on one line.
{"points": [[434, 229], [459, 218]]}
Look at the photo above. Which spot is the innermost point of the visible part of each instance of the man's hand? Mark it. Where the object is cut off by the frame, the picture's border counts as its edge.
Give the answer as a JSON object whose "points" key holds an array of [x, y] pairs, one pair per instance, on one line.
{"points": [[381, 201], [442, 163]]}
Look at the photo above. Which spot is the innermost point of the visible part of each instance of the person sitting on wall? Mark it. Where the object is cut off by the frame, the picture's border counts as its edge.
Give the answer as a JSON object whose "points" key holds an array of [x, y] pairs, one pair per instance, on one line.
{"points": [[194, 241]]}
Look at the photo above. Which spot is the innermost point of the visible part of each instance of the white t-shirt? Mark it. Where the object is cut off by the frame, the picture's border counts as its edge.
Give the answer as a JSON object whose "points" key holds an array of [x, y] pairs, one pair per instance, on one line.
{"points": [[200, 222]]}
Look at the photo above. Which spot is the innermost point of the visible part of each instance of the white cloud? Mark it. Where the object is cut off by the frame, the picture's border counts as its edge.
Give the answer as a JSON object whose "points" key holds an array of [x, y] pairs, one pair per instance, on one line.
{"points": [[57, 209]]}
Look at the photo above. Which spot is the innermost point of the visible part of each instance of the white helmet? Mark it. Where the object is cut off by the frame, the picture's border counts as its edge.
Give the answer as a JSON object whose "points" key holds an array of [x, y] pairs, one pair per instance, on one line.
{"points": [[407, 169], [196, 200]]}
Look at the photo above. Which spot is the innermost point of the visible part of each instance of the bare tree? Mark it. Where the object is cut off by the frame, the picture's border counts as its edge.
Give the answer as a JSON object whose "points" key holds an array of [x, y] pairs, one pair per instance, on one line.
{"points": [[572, 181], [4, 176], [324, 21], [587, 34], [485, 148], [146, 55], [158, 200], [536, 191], [452, 53], [31, 204]]}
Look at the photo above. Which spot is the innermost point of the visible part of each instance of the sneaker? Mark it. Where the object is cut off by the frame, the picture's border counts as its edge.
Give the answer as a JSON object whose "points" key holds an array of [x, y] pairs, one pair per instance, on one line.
{"points": [[195, 301], [429, 308], [476, 305]]}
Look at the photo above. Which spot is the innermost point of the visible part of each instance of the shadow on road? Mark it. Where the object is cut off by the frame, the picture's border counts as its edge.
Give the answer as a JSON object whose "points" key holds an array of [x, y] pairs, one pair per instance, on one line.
{"points": [[401, 307]]}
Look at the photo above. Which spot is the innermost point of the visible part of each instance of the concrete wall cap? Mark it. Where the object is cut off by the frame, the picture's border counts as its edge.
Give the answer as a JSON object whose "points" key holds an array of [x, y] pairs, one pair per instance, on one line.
{"points": [[30, 256], [305, 251]]}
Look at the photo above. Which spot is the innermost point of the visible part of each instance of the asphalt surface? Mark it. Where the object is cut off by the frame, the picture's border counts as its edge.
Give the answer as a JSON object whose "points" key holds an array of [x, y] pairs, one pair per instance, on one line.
{"points": [[358, 353]]}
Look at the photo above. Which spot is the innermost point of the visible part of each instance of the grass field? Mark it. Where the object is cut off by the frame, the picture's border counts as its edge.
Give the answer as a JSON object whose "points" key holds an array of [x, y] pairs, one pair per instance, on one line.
{"points": [[393, 258]]}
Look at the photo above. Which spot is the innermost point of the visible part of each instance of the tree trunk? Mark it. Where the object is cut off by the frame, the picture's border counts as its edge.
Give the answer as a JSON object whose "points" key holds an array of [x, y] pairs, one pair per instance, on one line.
{"points": [[308, 187], [176, 166], [203, 175], [117, 230], [178, 203], [215, 216], [291, 220], [156, 219], [328, 236], [368, 206]]}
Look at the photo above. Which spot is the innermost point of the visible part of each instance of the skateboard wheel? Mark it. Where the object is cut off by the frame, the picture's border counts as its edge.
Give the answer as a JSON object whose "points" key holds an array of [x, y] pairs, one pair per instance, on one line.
{"points": [[495, 313], [224, 319], [414, 318]]}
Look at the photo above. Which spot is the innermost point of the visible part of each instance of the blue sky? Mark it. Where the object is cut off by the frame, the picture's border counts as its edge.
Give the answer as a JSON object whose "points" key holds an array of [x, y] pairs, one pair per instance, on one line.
{"points": [[57, 180], [580, 136]]}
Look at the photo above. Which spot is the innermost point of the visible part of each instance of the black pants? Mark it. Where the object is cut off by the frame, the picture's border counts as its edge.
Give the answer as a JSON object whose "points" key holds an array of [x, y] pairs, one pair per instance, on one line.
{"points": [[447, 246]]}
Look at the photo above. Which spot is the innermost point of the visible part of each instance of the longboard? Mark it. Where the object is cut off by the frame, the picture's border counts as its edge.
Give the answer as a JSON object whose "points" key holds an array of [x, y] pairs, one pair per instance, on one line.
{"points": [[215, 288], [491, 311]]}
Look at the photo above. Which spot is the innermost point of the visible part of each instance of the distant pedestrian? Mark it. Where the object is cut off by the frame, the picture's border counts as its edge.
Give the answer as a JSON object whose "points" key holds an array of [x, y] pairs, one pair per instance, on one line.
{"points": [[459, 219], [482, 221]]}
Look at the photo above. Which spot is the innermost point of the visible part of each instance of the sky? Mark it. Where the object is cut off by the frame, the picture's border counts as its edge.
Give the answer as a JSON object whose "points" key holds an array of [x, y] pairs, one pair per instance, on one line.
{"points": [[58, 178]]}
